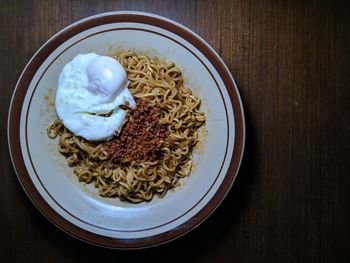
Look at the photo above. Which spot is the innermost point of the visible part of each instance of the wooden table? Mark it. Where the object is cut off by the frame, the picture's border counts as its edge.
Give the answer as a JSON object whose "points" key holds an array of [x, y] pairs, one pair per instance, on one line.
{"points": [[291, 202]]}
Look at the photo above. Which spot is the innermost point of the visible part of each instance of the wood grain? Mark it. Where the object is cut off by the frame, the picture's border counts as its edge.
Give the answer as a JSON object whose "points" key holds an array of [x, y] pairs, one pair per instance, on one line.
{"points": [[291, 60]]}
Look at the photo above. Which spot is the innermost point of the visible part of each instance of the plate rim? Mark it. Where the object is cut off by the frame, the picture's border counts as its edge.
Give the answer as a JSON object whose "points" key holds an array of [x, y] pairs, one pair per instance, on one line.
{"points": [[15, 108]]}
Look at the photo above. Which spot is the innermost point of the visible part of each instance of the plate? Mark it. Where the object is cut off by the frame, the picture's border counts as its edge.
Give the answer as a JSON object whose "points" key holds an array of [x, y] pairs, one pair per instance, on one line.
{"points": [[76, 208]]}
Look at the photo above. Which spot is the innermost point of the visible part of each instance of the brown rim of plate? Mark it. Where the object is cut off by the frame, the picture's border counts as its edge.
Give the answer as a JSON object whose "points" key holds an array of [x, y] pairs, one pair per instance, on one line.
{"points": [[14, 129]]}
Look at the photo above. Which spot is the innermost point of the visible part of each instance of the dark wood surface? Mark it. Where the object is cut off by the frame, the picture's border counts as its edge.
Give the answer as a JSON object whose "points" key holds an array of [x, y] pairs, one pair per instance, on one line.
{"points": [[291, 201]]}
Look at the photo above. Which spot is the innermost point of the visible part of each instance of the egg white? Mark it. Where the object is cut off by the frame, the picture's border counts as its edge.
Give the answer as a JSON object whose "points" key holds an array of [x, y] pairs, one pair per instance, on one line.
{"points": [[79, 108]]}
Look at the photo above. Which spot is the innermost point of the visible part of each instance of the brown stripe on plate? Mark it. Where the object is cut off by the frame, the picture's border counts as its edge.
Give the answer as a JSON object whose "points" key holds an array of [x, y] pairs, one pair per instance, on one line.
{"points": [[61, 206]]}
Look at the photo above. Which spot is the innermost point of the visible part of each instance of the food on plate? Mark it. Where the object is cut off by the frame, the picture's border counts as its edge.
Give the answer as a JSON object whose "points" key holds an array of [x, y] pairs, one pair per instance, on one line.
{"points": [[128, 124]]}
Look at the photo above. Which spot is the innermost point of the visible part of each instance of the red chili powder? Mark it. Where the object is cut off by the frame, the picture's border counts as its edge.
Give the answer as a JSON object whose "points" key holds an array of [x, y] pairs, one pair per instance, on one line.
{"points": [[141, 136]]}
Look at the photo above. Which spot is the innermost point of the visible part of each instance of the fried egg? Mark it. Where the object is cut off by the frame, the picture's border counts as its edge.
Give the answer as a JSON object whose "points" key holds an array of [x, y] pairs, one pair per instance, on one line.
{"points": [[90, 90]]}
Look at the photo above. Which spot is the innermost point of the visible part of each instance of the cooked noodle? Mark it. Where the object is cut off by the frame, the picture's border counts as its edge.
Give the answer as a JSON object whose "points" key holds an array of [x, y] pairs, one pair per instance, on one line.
{"points": [[161, 84]]}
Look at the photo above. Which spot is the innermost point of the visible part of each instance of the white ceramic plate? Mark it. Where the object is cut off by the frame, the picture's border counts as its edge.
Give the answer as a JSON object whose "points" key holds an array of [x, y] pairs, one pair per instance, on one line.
{"points": [[76, 208]]}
